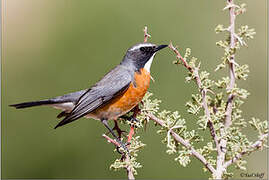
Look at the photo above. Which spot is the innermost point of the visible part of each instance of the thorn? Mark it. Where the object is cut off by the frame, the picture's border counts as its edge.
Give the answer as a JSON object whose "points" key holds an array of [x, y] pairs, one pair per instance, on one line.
{"points": [[146, 35], [240, 40], [212, 92], [235, 63], [230, 5], [146, 31], [152, 78], [229, 29]]}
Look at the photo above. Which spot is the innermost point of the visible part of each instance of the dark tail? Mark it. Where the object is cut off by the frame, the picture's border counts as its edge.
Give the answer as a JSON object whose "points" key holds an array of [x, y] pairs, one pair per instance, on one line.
{"points": [[71, 97], [33, 103]]}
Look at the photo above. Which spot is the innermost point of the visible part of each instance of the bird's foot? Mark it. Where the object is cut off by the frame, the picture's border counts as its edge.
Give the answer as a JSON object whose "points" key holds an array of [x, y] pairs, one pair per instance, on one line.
{"points": [[123, 148]]}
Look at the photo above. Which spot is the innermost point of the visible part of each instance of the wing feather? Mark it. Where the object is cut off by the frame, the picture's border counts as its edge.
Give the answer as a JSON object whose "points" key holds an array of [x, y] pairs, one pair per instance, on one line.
{"points": [[111, 85]]}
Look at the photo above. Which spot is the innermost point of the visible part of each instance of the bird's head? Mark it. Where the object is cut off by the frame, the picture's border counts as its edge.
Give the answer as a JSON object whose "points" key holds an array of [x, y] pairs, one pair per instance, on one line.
{"points": [[141, 55]]}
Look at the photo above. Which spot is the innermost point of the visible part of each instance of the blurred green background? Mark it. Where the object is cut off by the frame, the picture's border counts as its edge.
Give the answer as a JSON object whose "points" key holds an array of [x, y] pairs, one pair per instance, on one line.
{"points": [[55, 47]]}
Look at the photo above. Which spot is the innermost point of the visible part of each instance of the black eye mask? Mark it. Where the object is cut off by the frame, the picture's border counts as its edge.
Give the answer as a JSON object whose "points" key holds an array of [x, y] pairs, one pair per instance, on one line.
{"points": [[147, 49]]}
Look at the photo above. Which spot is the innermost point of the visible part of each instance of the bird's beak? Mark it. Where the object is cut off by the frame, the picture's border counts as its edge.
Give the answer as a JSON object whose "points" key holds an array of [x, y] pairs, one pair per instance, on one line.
{"points": [[160, 47]]}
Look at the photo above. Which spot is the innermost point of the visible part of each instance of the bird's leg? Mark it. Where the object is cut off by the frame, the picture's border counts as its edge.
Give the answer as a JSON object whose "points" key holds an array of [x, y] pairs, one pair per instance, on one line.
{"points": [[117, 129], [131, 133], [104, 121], [136, 110]]}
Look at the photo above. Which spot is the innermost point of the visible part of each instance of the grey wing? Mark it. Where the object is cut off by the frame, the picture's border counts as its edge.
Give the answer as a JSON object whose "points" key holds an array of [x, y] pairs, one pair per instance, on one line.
{"points": [[111, 85]]}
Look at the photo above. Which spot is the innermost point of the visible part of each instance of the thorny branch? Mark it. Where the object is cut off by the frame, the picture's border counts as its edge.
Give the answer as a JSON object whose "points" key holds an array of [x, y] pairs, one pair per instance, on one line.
{"points": [[221, 145], [186, 144], [111, 140], [228, 114], [203, 93], [180, 57], [258, 144], [221, 164], [146, 35], [125, 158]]}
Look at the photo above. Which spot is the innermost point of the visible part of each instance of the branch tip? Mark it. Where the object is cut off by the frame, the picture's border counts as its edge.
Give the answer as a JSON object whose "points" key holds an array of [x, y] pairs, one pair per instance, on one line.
{"points": [[146, 35]]}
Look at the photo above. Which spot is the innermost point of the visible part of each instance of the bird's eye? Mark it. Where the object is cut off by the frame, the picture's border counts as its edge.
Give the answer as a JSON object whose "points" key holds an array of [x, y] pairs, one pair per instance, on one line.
{"points": [[143, 49], [146, 49]]}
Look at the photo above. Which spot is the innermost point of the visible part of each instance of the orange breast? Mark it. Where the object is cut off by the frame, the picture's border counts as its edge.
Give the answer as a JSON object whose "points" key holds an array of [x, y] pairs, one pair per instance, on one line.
{"points": [[127, 101]]}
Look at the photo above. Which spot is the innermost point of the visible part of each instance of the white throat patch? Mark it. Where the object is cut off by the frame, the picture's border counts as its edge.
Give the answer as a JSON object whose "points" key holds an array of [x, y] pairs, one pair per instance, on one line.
{"points": [[148, 64]]}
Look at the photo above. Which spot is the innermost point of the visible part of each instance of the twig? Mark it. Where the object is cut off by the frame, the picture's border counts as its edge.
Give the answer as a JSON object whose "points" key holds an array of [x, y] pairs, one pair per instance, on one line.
{"points": [[180, 57], [131, 133], [203, 93], [125, 158], [258, 144], [186, 144], [146, 35], [111, 140], [228, 113], [130, 173], [231, 63]]}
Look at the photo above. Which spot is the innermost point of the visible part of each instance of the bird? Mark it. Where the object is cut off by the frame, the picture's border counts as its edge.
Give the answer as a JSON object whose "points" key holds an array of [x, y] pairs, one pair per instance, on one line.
{"points": [[117, 93]]}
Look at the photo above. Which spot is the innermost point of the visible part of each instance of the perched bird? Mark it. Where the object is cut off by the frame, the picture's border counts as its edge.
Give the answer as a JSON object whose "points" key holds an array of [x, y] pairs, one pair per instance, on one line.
{"points": [[118, 92]]}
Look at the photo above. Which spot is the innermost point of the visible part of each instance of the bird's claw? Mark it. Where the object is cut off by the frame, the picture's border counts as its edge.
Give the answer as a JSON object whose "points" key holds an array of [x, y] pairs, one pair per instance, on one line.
{"points": [[124, 147]]}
